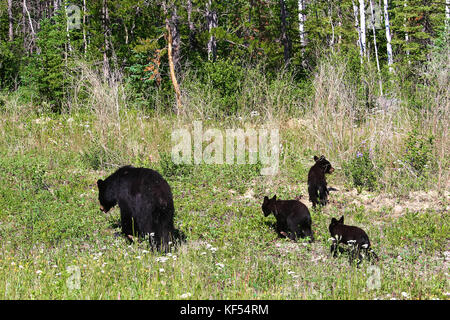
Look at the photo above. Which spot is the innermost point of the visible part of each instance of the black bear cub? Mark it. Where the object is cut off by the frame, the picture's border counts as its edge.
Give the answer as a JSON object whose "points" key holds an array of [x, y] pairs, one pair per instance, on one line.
{"points": [[350, 235], [293, 218], [145, 202], [317, 184]]}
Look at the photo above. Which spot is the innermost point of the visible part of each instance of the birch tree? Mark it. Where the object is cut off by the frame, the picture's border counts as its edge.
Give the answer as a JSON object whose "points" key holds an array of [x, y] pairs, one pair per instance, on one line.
{"points": [[301, 23], [10, 21], [372, 10], [359, 43], [362, 19], [106, 43], [211, 20], [388, 35]]}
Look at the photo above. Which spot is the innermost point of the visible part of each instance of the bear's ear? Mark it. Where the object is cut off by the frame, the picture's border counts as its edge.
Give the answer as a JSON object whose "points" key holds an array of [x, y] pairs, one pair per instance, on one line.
{"points": [[316, 158], [341, 220], [322, 157], [333, 220], [266, 199], [274, 197]]}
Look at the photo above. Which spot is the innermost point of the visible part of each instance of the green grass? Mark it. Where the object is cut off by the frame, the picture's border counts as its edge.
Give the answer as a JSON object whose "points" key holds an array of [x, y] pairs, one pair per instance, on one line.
{"points": [[50, 221]]}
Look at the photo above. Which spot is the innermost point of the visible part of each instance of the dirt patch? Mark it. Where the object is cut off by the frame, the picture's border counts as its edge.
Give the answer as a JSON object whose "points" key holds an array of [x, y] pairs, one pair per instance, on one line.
{"points": [[415, 201]]}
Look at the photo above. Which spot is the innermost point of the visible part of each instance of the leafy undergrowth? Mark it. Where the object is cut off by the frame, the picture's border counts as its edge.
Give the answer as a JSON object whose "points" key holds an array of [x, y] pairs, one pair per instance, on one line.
{"points": [[56, 244]]}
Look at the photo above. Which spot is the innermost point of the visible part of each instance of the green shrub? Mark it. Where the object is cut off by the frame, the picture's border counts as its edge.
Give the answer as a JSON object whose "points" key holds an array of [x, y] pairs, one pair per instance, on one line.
{"points": [[419, 152], [225, 77], [363, 170], [170, 168]]}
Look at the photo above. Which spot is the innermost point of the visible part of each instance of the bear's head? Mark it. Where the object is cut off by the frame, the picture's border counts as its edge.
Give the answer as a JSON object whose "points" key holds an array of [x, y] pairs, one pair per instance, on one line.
{"points": [[104, 196], [269, 205], [335, 222], [324, 164]]}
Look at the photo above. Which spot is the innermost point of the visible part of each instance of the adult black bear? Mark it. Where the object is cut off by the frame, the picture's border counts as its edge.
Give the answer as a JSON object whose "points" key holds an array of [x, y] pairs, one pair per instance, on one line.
{"points": [[293, 218], [145, 202], [356, 237], [317, 184]]}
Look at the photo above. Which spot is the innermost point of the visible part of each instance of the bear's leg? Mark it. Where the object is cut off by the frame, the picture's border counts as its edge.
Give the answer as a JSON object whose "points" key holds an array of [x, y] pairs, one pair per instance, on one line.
{"points": [[294, 229], [166, 233], [307, 232], [312, 191], [371, 254], [281, 229], [323, 195], [126, 222], [355, 253], [333, 248]]}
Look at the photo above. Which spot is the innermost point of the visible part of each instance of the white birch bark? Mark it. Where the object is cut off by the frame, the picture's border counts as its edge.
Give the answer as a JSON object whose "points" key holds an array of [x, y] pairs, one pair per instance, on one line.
{"points": [[388, 35], [301, 23], [372, 10], [10, 21], [355, 13], [362, 19], [211, 18]]}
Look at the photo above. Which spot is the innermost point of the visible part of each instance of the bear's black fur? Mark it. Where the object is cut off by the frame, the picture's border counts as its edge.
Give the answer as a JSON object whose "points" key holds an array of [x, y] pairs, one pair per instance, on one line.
{"points": [[350, 235], [317, 184], [293, 218], [145, 201]]}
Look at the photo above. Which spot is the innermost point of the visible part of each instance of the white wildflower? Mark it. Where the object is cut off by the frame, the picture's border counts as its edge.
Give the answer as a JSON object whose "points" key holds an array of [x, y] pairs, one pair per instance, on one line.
{"points": [[162, 259], [185, 295]]}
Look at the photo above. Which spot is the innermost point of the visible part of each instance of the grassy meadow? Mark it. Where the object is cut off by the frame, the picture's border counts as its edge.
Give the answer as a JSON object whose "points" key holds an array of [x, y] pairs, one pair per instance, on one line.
{"points": [[56, 244]]}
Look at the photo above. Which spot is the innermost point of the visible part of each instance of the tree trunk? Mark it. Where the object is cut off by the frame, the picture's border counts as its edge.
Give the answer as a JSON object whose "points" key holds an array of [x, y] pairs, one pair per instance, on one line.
{"points": [[176, 40], [173, 47], [106, 35], [388, 35], [284, 36], [211, 19], [56, 5], [330, 13], [372, 10], [33, 34], [173, 77], [355, 14], [10, 21], [362, 20], [84, 29], [190, 24], [301, 23]]}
